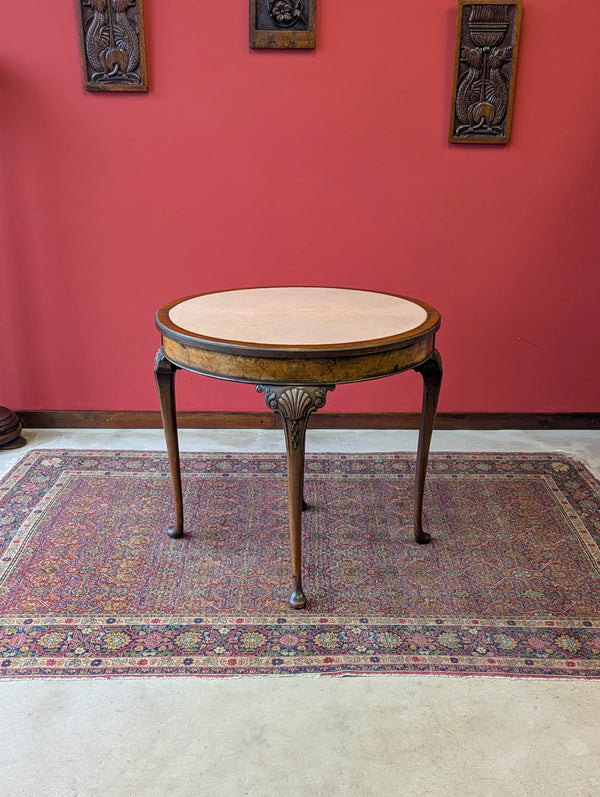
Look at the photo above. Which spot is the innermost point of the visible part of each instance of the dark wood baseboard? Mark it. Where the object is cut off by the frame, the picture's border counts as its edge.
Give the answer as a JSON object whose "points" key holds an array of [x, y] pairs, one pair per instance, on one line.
{"points": [[88, 419]]}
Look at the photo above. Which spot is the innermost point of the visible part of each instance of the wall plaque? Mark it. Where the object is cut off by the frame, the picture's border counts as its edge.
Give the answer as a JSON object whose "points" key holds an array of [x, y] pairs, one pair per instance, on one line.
{"points": [[485, 63], [283, 24], [113, 50]]}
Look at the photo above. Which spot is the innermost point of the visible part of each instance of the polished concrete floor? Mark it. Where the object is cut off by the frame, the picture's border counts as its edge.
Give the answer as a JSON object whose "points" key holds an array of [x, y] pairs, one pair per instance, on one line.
{"points": [[302, 735]]}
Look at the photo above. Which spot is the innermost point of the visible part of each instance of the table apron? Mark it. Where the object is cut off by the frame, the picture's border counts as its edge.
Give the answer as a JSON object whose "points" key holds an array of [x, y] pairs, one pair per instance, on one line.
{"points": [[303, 370]]}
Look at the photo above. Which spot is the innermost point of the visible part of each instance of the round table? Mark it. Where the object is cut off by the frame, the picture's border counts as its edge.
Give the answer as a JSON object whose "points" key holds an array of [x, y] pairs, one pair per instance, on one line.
{"points": [[296, 344]]}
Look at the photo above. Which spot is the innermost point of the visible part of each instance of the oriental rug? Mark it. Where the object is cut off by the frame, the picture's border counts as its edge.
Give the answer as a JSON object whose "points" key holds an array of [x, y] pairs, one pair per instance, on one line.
{"points": [[91, 585]]}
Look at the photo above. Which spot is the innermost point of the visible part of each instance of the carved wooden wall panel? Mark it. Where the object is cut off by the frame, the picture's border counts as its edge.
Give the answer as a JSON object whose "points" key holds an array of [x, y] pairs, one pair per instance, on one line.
{"points": [[283, 23], [113, 50], [485, 62]]}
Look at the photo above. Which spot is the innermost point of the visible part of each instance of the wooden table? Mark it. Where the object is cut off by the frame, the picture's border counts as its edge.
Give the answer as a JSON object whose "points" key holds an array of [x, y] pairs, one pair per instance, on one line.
{"points": [[295, 345]]}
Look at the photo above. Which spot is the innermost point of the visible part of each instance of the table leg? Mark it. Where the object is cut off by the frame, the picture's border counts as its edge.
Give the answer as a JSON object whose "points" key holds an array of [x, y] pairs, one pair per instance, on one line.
{"points": [[295, 405], [431, 371], [164, 371]]}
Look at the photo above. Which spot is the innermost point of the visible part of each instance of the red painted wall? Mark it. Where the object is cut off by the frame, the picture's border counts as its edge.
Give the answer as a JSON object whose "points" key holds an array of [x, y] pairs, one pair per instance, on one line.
{"points": [[330, 167]]}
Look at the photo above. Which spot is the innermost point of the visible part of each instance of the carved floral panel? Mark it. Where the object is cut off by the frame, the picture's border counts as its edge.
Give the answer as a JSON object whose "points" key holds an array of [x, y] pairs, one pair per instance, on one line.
{"points": [[113, 53], [283, 23], [485, 61]]}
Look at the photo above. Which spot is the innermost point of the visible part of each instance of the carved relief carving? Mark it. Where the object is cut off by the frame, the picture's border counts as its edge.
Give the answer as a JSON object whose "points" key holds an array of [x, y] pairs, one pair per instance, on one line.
{"points": [[295, 405], [484, 73], [112, 45], [286, 13], [283, 23]]}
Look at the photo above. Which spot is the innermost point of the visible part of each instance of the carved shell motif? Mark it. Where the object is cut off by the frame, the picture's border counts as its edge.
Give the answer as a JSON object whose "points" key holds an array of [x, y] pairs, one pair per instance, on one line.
{"points": [[295, 404]]}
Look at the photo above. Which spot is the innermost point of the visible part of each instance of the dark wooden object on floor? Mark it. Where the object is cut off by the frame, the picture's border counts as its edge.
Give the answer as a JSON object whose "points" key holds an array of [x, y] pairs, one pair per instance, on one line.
{"points": [[112, 42], [10, 430], [283, 24], [485, 63], [295, 345]]}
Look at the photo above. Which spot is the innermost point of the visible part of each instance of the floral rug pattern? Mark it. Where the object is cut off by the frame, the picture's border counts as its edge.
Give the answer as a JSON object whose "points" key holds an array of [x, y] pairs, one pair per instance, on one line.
{"points": [[91, 585]]}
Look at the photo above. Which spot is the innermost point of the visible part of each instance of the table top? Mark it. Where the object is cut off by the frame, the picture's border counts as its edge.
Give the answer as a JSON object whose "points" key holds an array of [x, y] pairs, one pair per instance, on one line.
{"points": [[297, 316], [309, 323]]}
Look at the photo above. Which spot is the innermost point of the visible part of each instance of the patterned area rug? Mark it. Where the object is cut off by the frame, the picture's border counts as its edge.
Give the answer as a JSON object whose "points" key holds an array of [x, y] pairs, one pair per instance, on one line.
{"points": [[90, 584]]}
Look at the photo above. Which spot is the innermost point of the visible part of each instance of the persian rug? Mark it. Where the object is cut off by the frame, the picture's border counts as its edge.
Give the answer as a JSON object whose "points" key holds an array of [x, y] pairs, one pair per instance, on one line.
{"points": [[91, 585]]}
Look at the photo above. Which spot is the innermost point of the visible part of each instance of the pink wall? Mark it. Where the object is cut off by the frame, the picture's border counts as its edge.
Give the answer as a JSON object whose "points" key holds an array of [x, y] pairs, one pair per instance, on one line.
{"points": [[330, 167]]}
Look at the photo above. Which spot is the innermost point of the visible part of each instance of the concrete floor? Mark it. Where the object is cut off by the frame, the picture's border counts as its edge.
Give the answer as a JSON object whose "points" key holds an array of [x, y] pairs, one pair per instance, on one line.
{"points": [[302, 735]]}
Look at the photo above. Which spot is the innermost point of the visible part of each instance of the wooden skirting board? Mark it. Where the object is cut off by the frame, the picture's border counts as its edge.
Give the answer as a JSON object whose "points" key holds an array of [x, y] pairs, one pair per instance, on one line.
{"points": [[92, 419]]}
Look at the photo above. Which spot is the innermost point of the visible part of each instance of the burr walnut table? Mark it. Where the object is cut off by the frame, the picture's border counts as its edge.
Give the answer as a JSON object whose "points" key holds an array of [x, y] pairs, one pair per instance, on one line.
{"points": [[296, 344]]}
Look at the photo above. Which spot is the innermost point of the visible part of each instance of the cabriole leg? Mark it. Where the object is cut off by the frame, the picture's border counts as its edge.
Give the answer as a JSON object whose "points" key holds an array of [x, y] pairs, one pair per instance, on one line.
{"points": [[431, 371], [164, 371], [295, 405]]}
